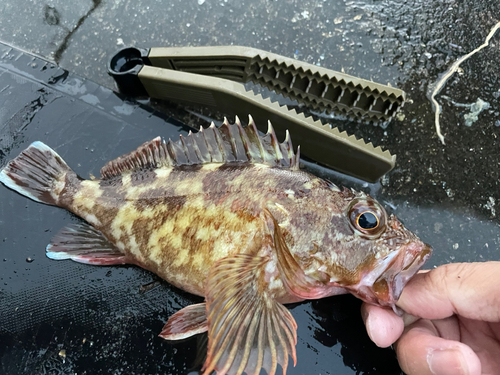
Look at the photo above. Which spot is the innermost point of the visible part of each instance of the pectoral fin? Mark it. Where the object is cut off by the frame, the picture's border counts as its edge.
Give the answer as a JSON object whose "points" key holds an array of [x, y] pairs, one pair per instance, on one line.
{"points": [[185, 323], [293, 277], [247, 329]]}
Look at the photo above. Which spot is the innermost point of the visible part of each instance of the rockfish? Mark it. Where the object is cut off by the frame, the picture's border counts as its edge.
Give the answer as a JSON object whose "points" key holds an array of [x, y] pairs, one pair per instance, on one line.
{"points": [[227, 214]]}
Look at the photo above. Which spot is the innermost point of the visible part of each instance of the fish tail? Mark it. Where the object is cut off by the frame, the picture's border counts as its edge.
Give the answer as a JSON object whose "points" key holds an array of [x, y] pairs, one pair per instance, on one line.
{"points": [[38, 173]]}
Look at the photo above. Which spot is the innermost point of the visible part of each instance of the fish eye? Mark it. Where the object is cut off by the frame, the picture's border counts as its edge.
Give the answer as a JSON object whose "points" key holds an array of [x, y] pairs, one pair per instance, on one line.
{"points": [[367, 220], [367, 217]]}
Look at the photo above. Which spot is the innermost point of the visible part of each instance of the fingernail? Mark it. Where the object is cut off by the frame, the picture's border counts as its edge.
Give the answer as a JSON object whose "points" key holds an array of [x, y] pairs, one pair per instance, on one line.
{"points": [[447, 362]]}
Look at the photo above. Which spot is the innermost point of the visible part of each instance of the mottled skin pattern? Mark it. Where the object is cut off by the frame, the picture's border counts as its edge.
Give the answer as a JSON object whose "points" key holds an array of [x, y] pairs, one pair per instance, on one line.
{"points": [[178, 222]]}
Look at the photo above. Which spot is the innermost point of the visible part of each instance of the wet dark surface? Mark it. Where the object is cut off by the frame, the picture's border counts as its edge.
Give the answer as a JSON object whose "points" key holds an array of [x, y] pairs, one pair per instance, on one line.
{"points": [[447, 194]]}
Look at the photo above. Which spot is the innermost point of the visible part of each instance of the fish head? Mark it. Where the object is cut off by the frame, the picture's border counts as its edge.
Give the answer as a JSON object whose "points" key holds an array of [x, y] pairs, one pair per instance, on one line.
{"points": [[375, 255]]}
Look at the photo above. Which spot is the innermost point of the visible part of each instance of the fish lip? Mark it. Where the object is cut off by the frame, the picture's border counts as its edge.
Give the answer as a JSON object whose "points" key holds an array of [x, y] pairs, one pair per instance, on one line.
{"points": [[384, 286], [411, 267], [411, 258]]}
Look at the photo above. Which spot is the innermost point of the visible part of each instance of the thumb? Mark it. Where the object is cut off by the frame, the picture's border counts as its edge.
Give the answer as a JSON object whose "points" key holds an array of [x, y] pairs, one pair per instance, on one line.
{"points": [[421, 351], [466, 289]]}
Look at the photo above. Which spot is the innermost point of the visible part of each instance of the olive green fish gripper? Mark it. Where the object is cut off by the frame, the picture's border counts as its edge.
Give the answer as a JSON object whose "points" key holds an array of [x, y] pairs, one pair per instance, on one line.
{"points": [[214, 76]]}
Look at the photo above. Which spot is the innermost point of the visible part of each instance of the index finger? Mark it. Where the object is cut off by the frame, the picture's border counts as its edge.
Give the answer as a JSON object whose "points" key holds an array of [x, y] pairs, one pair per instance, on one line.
{"points": [[467, 289]]}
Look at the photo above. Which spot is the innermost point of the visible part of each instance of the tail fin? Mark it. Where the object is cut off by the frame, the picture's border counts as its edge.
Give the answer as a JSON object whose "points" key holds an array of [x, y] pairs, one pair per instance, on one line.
{"points": [[38, 173]]}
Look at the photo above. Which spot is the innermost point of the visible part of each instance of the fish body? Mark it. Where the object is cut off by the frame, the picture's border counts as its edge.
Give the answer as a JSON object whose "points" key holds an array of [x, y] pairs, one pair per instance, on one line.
{"points": [[228, 215]]}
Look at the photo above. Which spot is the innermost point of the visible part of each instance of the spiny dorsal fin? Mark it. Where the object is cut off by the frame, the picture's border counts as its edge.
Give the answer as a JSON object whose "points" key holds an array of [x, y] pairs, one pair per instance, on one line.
{"points": [[230, 143]]}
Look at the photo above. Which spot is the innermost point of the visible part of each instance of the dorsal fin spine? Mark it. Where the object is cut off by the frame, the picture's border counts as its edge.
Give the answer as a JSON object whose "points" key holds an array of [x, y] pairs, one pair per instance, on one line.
{"points": [[274, 142], [164, 156], [170, 150], [147, 156], [210, 158], [181, 152], [154, 150], [218, 140], [211, 146], [227, 137], [200, 136], [297, 158], [196, 149], [178, 156], [233, 139], [184, 147], [289, 145], [245, 140], [251, 123], [189, 149]]}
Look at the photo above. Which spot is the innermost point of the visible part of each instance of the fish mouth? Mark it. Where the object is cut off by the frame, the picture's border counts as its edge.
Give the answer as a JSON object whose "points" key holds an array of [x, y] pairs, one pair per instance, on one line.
{"points": [[384, 285]]}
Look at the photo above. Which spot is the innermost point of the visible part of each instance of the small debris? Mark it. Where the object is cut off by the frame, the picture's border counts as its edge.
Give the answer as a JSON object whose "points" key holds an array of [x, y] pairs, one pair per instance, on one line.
{"points": [[450, 193], [385, 180], [29, 260], [149, 286], [62, 354], [119, 42], [490, 205], [455, 246], [475, 109], [201, 2], [437, 227], [304, 15]]}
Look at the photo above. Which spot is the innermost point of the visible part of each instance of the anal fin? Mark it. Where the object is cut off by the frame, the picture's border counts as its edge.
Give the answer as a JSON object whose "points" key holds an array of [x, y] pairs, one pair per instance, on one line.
{"points": [[247, 328], [189, 321], [84, 244]]}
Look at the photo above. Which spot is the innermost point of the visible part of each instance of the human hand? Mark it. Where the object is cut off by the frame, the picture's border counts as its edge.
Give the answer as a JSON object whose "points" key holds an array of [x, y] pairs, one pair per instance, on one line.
{"points": [[459, 329]]}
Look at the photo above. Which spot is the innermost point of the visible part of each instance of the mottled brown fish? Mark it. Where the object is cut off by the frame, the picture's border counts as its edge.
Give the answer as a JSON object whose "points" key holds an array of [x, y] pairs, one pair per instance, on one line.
{"points": [[227, 214]]}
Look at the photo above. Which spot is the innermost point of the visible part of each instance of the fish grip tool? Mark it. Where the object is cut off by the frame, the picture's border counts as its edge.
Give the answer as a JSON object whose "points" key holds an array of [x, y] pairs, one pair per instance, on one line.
{"points": [[215, 77]]}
